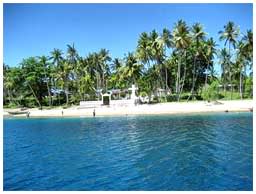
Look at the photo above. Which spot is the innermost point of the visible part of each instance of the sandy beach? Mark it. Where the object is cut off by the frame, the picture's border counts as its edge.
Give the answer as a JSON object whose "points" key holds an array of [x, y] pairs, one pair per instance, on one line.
{"points": [[161, 108]]}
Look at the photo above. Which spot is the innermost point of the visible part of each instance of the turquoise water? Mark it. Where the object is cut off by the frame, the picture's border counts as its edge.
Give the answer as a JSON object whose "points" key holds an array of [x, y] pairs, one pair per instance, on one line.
{"points": [[192, 152]]}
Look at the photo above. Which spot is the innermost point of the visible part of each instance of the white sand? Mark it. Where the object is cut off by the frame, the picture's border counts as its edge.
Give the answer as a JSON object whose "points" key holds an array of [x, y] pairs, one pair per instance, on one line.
{"points": [[161, 108]]}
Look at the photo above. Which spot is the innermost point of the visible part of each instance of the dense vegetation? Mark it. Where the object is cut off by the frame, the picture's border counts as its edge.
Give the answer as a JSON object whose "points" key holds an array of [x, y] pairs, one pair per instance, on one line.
{"points": [[180, 61]]}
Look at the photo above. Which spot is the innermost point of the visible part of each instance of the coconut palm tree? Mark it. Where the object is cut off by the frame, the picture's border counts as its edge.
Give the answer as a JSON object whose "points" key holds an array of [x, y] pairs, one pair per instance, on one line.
{"points": [[143, 49], [157, 54], [56, 56], [230, 35], [104, 58], [248, 46], [116, 64], [224, 62], [181, 40], [72, 57], [210, 51], [46, 68], [198, 37], [32, 71], [241, 63], [166, 37], [132, 69], [12, 83]]}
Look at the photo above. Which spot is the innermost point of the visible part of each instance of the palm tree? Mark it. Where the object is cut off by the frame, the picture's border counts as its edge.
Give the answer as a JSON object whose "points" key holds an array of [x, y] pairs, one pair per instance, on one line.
{"points": [[132, 69], [65, 76], [32, 73], [181, 41], [143, 49], [166, 37], [116, 64], [248, 41], [230, 34], [57, 58], [72, 57], [44, 62], [210, 51], [104, 59], [97, 69], [12, 83], [241, 63], [157, 54], [248, 46], [224, 61], [71, 54], [198, 36]]}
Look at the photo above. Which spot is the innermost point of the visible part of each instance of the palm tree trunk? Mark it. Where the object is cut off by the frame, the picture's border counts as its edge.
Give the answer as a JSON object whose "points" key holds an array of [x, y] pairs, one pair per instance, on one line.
{"points": [[58, 97], [67, 99], [184, 76], [103, 80], [49, 94], [11, 99], [66, 92], [231, 85], [178, 80], [166, 79], [183, 81], [193, 80], [34, 95], [206, 75], [240, 85], [229, 67]]}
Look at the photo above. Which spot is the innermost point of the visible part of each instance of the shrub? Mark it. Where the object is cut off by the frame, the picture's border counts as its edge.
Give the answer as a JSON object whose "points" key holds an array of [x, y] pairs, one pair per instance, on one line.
{"points": [[143, 94], [171, 97], [210, 92]]}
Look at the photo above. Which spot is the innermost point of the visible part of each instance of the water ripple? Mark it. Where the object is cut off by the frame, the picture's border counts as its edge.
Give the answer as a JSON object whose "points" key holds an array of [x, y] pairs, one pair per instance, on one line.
{"points": [[211, 152]]}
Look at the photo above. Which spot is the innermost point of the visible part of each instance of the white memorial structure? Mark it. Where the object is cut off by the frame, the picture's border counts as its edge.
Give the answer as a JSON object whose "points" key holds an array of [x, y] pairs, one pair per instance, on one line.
{"points": [[106, 100]]}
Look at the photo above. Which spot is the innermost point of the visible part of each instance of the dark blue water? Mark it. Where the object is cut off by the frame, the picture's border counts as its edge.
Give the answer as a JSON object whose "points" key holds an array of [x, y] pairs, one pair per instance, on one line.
{"points": [[193, 152]]}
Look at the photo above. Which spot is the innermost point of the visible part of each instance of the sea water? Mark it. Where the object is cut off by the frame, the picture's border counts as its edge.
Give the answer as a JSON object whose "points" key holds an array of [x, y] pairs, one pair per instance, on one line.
{"points": [[168, 152]]}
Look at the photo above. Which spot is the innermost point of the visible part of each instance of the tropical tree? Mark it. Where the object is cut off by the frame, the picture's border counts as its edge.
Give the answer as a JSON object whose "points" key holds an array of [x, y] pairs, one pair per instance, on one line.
{"points": [[240, 63], [157, 55], [33, 74], [132, 69], [224, 62], [104, 58], [210, 51], [46, 68], [12, 80], [198, 37], [57, 58], [143, 51], [181, 40], [230, 35], [166, 37]]}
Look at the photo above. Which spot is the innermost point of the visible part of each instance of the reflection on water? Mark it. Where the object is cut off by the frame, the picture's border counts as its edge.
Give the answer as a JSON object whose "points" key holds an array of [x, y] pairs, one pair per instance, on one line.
{"points": [[193, 152]]}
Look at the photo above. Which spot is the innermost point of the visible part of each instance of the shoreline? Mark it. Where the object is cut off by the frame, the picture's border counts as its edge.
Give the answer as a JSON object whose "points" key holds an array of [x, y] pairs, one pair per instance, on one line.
{"points": [[170, 108], [128, 115]]}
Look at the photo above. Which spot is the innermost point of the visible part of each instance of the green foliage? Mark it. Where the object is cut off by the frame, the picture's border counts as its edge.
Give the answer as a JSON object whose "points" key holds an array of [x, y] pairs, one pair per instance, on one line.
{"points": [[249, 87], [143, 94], [210, 92], [66, 78], [171, 98]]}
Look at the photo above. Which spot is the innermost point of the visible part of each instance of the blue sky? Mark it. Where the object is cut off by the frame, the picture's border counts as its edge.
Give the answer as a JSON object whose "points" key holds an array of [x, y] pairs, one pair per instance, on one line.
{"points": [[35, 29]]}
